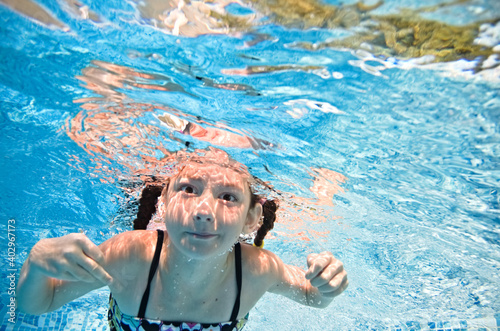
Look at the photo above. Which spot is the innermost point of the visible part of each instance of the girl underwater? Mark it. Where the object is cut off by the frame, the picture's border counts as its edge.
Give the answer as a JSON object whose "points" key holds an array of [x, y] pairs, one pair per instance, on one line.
{"points": [[196, 271]]}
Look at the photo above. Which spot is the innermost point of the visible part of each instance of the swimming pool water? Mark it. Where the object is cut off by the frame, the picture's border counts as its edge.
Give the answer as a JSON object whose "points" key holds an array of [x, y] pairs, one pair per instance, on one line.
{"points": [[394, 167]]}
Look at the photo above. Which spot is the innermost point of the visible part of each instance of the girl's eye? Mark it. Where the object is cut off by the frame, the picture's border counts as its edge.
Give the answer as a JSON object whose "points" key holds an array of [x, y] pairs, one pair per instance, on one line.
{"points": [[228, 197], [188, 189]]}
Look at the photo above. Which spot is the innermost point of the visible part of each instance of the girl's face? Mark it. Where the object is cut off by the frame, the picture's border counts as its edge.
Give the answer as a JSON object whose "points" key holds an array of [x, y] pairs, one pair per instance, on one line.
{"points": [[207, 207]]}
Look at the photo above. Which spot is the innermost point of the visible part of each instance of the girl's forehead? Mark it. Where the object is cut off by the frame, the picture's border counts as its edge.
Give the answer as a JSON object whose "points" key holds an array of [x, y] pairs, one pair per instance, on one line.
{"points": [[210, 172]]}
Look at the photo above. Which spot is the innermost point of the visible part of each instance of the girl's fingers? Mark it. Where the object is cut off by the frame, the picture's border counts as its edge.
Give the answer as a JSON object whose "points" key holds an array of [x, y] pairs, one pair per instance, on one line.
{"points": [[94, 267], [80, 274], [96, 270], [73, 257], [86, 266], [90, 271], [72, 272], [310, 258], [84, 261], [337, 291], [317, 263], [334, 284], [91, 250], [329, 275]]}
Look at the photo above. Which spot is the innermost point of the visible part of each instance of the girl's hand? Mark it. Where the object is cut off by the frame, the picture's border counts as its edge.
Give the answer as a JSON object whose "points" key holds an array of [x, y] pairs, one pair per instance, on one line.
{"points": [[327, 274], [72, 257]]}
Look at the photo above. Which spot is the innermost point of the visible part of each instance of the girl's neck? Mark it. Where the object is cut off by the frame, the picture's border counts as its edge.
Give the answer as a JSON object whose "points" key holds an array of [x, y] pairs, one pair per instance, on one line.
{"points": [[195, 270]]}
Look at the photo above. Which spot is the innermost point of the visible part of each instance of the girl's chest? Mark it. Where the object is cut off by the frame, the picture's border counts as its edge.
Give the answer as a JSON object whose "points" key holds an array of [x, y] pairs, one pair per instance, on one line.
{"points": [[173, 301], [213, 307]]}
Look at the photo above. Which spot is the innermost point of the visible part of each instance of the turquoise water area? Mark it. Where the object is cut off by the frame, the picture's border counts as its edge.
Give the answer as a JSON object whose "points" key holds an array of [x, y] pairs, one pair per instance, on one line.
{"points": [[392, 166]]}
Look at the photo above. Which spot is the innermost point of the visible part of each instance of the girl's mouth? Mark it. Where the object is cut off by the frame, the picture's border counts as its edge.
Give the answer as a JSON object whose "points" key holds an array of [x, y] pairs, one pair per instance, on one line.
{"points": [[202, 235]]}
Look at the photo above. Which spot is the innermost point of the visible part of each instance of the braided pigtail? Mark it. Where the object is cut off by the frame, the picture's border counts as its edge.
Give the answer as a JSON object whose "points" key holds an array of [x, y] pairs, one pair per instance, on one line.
{"points": [[147, 205], [269, 212]]}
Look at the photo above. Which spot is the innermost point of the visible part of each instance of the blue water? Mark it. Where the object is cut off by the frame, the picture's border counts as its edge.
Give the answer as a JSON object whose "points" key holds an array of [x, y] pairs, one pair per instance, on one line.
{"points": [[416, 220]]}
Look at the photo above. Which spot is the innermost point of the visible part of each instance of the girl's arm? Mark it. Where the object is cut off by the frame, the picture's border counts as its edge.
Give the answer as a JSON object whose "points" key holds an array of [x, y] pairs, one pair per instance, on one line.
{"points": [[59, 270], [316, 287]]}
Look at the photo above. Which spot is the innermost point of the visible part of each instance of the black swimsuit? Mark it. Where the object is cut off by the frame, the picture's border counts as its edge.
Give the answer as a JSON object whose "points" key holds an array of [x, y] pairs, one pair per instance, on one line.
{"points": [[119, 321]]}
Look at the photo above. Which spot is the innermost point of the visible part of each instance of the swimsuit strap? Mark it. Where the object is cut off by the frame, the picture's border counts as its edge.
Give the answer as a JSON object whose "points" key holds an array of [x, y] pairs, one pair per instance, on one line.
{"points": [[154, 266], [236, 308], [152, 271]]}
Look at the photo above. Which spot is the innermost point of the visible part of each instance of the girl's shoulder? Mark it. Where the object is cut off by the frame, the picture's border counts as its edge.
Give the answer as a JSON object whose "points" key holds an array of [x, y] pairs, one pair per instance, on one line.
{"points": [[131, 240], [262, 272], [131, 248], [261, 263]]}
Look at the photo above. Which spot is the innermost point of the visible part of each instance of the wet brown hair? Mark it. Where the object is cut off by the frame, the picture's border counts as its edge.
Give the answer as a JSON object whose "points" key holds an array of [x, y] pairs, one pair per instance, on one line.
{"points": [[269, 208], [147, 205]]}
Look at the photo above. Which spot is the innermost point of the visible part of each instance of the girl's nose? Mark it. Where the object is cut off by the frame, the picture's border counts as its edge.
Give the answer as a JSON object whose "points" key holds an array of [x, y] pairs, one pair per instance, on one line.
{"points": [[205, 210], [199, 217]]}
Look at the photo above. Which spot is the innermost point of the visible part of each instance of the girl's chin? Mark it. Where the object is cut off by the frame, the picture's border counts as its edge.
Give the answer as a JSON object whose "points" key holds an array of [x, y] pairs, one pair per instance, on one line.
{"points": [[204, 247]]}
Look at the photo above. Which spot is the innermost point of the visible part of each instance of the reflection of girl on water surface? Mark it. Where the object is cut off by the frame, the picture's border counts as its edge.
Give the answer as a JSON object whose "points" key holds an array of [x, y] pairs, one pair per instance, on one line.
{"points": [[115, 126], [191, 272]]}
